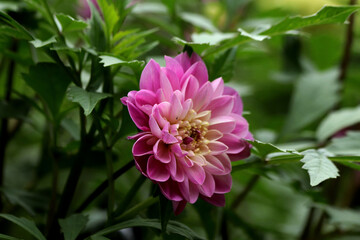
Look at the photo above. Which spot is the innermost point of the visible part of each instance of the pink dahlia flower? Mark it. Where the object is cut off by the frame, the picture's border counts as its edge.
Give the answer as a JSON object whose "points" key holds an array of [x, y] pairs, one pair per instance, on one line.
{"points": [[191, 130]]}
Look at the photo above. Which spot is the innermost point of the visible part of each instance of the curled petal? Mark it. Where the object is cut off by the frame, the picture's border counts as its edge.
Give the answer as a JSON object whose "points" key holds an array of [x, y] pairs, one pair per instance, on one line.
{"points": [[208, 187], [162, 152], [171, 191], [157, 170], [143, 146], [216, 199], [222, 183], [178, 206], [139, 117]]}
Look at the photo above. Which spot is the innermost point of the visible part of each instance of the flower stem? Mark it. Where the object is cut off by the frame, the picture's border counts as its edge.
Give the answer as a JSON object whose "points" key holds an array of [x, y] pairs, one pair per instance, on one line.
{"points": [[109, 166], [4, 132], [103, 186], [130, 195], [132, 212], [240, 198], [348, 45]]}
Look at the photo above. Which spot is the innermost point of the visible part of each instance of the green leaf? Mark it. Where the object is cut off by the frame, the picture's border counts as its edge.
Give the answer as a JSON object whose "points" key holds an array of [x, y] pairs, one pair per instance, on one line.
{"points": [[315, 94], [27, 200], [99, 238], [264, 149], [96, 34], [326, 15], [15, 108], [6, 237], [69, 24], [213, 43], [173, 227], [39, 43], [344, 218], [73, 225], [223, 65], [12, 28], [26, 224], [319, 166], [198, 21], [110, 61], [347, 145], [50, 81], [110, 15], [337, 121], [87, 100]]}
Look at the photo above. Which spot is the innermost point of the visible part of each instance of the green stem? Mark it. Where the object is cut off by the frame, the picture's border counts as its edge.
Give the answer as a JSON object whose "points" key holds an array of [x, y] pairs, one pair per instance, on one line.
{"points": [[52, 20], [4, 132], [109, 166], [132, 212], [240, 198], [72, 180], [130, 195], [103, 186]]}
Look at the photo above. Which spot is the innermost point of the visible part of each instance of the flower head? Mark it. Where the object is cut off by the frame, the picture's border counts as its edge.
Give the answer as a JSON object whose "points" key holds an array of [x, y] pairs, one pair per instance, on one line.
{"points": [[191, 130]]}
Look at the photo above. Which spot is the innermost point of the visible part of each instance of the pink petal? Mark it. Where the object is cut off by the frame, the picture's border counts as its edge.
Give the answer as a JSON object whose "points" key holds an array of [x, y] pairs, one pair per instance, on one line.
{"points": [[141, 146], [213, 134], [242, 127], [218, 87], [165, 85], [190, 87], [238, 105], [189, 191], [159, 111], [234, 144], [145, 99], [216, 199], [222, 183], [224, 124], [176, 107], [175, 66], [218, 165], [141, 163], [171, 191], [243, 154], [196, 174], [187, 105], [157, 170], [154, 127], [162, 152], [150, 76], [138, 135], [208, 187], [176, 149], [178, 206], [217, 147], [176, 171], [140, 119], [221, 106], [199, 71], [203, 97]]}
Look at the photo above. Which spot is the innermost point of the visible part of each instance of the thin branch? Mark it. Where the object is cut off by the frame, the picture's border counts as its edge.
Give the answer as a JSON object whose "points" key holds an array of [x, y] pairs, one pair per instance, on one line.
{"points": [[238, 200], [102, 187], [347, 47], [4, 132]]}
